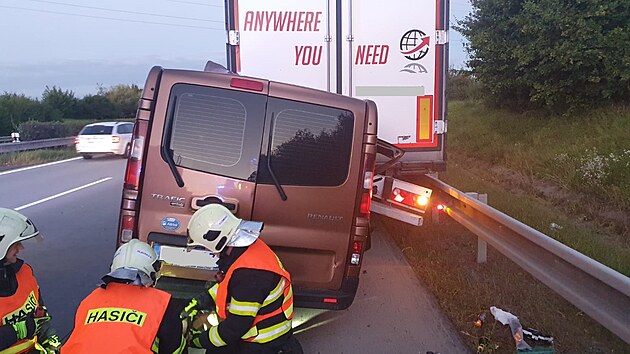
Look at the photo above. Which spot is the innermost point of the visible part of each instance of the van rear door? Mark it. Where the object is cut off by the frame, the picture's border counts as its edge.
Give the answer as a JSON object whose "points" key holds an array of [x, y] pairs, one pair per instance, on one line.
{"points": [[204, 148], [309, 180]]}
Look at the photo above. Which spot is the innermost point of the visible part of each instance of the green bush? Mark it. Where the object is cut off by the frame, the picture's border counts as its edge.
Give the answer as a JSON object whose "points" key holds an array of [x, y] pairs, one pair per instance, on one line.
{"points": [[463, 86], [34, 130], [560, 56]]}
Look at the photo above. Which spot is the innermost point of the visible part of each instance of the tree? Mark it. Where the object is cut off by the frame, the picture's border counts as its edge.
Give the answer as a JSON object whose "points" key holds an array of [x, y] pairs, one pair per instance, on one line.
{"points": [[15, 109], [62, 101], [560, 55], [124, 98], [95, 107]]}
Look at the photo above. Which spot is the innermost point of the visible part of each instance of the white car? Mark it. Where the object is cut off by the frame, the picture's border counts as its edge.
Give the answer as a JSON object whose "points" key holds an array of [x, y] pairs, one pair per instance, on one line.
{"points": [[104, 138]]}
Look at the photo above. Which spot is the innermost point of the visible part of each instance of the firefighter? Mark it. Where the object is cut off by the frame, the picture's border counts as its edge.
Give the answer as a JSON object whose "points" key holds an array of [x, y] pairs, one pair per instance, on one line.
{"points": [[25, 325], [253, 297], [126, 314]]}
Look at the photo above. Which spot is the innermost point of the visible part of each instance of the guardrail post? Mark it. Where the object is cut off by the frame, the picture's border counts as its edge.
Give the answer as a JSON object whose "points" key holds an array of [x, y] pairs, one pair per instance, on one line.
{"points": [[482, 246]]}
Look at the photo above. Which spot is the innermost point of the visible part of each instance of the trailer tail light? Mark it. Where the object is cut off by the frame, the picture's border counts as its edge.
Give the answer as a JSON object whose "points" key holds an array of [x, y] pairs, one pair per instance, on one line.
{"points": [[357, 250], [127, 227], [409, 199], [115, 139], [247, 84], [134, 163]]}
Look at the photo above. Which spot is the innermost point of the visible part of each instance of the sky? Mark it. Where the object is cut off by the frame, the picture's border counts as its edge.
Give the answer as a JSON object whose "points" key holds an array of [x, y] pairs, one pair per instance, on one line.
{"points": [[81, 45]]}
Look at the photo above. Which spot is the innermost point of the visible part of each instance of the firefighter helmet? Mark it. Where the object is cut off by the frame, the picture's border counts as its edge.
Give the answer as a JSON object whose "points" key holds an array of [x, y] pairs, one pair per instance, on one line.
{"points": [[14, 227], [135, 261], [215, 227]]}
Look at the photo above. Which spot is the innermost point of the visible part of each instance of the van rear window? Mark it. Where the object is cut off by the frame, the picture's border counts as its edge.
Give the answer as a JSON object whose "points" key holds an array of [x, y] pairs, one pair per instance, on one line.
{"points": [[230, 133], [216, 130], [310, 144]]}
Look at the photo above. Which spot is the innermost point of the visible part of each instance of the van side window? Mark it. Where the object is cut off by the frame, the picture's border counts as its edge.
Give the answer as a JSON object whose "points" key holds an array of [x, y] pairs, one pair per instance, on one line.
{"points": [[310, 144], [216, 130]]}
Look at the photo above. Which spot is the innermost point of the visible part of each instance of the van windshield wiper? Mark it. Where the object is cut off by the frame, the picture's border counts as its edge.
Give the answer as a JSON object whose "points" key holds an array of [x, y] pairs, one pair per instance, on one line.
{"points": [[283, 195], [167, 154]]}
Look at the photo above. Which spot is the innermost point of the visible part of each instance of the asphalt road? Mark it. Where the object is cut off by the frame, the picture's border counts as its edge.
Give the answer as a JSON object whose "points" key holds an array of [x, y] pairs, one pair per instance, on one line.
{"points": [[75, 204]]}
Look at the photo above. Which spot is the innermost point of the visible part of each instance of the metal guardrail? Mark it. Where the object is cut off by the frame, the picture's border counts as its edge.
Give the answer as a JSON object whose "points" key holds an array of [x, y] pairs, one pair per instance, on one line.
{"points": [[36, 144], [5, 139], [599, 291]]}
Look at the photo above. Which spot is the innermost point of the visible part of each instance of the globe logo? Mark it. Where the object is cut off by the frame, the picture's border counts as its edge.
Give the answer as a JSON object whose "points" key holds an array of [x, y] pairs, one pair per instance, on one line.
{"points": [[414, 44]]}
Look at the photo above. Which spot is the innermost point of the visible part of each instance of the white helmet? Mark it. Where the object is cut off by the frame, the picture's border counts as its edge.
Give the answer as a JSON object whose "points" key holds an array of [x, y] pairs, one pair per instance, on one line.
{"points": [[14, 227], [135, 261], [215, 227]]}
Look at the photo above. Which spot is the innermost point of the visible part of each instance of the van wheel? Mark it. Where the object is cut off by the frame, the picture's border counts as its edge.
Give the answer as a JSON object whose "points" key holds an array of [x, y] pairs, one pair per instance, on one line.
{"points": [[127, 151], [87, 157]]}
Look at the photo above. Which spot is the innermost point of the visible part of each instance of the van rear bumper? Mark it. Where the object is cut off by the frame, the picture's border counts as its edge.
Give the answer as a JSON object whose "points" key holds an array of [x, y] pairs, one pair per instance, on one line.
{"points": [[302, 297], [327, 299]]}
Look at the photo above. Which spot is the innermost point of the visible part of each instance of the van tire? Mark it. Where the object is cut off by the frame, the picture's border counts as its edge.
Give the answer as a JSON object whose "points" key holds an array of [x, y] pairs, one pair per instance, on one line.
{"points": [[87, 156]]}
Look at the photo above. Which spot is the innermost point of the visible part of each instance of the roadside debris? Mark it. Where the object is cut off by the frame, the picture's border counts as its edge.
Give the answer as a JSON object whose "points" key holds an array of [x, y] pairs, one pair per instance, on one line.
{"points": [[541, 343]]}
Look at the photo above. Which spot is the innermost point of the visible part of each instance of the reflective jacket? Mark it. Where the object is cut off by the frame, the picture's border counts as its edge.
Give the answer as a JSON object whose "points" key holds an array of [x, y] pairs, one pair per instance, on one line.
{"points": [[15, 307], [120, 318], [257, 256]]}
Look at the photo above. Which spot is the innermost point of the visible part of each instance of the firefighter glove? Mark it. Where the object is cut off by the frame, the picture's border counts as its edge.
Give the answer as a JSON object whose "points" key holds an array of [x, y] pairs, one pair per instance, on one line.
{"points": [[200, 339], [25, 328], [52, 344], [40, 322], [188, 314]]}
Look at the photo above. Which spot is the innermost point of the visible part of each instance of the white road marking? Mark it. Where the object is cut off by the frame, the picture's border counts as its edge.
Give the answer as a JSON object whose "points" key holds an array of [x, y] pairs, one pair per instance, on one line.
{"points": [[62, 193], [36, 166]]}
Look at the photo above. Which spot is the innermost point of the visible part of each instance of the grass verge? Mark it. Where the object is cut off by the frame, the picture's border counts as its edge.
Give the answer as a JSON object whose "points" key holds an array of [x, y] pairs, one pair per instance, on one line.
{"points": [[36, 156], [588, 154]]}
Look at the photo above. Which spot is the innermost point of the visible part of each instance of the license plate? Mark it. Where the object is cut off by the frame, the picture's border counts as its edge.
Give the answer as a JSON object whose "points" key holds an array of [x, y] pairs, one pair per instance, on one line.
{"points": [[182, 257]]}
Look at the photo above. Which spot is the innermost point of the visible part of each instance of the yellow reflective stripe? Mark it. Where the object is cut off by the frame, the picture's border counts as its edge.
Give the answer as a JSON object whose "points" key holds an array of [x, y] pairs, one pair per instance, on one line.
{"points": [[275, 293], [243, 308], [288, 312], [20, 347], [270, 333], [213, 292], [155, 347], [251, 333], [279, 262], [215, 338], [182, 346]]}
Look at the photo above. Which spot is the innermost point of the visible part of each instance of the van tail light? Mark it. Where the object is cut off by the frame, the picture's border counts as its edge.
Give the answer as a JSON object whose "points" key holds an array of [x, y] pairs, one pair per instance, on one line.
{"points": [[357, 251], [368, 183], [134, 163], [76, 140], [115, 139], [127, 227]]}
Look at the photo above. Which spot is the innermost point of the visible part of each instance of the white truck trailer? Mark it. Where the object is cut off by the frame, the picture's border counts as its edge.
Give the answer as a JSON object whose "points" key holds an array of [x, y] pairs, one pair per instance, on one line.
{"points": [[394, 53]]}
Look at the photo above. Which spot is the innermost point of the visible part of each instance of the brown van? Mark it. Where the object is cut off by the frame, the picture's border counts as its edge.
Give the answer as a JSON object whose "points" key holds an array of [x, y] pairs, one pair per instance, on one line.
{"points": [[298, 159]]}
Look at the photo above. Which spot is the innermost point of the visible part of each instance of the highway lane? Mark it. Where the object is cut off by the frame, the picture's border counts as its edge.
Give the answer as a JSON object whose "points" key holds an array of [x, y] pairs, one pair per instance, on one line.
{"points": [[392, 312], [79, 228]]}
